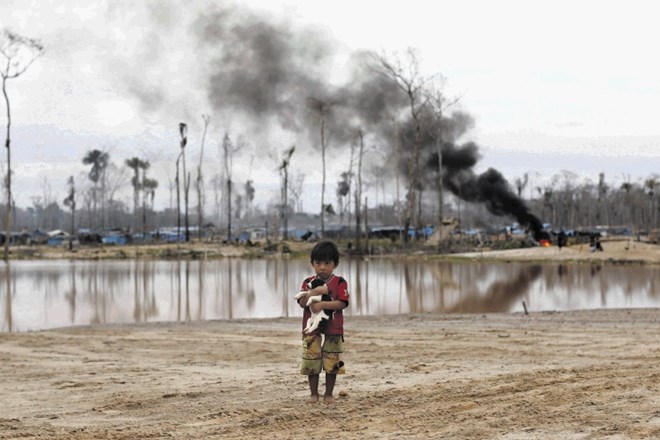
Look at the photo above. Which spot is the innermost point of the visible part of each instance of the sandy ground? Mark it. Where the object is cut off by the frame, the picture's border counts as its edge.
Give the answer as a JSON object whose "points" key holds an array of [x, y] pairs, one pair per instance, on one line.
{"points": [[569, 375]]}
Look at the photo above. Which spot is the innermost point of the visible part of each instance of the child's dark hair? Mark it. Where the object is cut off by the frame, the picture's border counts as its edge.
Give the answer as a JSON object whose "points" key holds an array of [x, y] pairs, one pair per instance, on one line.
{"points": [[325, 251]]}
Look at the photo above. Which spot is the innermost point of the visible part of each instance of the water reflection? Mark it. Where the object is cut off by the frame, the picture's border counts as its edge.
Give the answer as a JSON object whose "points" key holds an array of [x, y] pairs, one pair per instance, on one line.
{"points": [[47, 294], [8, 294], [500, 296]]}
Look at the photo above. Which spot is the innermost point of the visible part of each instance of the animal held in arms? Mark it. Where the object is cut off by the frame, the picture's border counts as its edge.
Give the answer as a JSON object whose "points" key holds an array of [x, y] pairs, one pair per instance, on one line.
{"points": [[319, 319]]}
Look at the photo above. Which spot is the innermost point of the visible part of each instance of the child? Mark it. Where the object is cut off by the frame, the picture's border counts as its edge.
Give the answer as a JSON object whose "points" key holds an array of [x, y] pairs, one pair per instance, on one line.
{"points": [[319, 351]]}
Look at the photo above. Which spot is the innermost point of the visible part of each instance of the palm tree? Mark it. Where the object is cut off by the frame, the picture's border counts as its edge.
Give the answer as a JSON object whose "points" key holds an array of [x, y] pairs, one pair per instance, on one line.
{"points": [[99, 162], [150, 186], [70, 201], [135, 164], [148, 191], [627, 187]]}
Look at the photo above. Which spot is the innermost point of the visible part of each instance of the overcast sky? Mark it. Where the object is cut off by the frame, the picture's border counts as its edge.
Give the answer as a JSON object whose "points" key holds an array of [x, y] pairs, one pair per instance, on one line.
{"points": [[552, 86]]}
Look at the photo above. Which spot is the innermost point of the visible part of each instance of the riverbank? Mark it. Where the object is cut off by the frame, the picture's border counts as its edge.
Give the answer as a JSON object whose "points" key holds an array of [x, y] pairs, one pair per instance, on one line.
{"points": [[570, 375], [617, 250]]}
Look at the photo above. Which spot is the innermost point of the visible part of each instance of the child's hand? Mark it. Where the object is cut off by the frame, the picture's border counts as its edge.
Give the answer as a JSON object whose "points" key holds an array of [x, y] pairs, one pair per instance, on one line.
{"points": [[316, 307]]}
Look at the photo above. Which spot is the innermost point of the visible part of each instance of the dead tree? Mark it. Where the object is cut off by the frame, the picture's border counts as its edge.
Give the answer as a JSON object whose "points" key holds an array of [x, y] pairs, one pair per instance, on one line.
{"points": [[284, 175], [410, 80], [70, 201], [358, 190], [200, 180], [322, 108], [178, 197], [183, 130], [439, 104], [228, 152], [17, 53]]}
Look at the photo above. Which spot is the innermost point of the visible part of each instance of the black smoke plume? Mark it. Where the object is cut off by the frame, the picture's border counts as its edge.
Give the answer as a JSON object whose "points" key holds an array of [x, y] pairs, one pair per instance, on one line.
{"points": [[259, 67], [264, 71], [489, 187]]}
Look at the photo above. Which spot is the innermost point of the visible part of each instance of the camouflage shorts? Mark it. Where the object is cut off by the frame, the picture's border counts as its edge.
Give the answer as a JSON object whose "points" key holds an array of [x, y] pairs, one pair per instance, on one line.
{"points": [[317, 354]]}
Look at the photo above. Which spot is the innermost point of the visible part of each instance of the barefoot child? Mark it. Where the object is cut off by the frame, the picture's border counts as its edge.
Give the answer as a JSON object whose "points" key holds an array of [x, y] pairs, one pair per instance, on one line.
{"points": [[323, 350]]}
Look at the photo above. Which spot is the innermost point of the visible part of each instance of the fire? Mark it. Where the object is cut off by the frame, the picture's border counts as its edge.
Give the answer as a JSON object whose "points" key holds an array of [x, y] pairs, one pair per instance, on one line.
{"points": [[544, 243]]}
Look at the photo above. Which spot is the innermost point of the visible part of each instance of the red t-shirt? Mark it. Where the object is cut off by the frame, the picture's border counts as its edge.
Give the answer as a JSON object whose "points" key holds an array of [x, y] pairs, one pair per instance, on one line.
{"points": [[338, 290]]}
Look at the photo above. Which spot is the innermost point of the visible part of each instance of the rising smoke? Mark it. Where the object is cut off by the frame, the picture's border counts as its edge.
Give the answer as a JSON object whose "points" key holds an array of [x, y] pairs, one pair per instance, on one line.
{"points": [[259, 67], [489, 187], [269, 72]]}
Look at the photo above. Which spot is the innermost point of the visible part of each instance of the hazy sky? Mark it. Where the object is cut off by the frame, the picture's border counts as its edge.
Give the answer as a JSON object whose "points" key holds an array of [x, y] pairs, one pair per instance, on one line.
{"points": [[552, 86]]}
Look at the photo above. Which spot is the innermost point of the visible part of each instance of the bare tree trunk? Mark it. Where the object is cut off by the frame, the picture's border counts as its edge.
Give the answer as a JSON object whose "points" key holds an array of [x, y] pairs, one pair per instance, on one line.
{"points": [[200, 180], [285, 210], [323, 181], [18, 54], [366, 225], [178, 201], [8, 215], [103, 200], [228, 150], [284, 172], [183, 130], [441, 201], [358, 191], [136, 199], [418, 225], [228, 209], [397, 149], [415, 168], [144, 205], [186, 194]]}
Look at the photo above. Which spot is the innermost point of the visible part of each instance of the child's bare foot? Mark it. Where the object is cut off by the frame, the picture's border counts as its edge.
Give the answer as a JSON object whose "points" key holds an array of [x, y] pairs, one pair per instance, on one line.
{"points": [[328, 400], [313, 399]]}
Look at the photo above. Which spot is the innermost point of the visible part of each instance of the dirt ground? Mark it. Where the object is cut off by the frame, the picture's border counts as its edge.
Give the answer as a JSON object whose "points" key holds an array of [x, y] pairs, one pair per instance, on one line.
{"points": [[574, 375], [569, 375]]}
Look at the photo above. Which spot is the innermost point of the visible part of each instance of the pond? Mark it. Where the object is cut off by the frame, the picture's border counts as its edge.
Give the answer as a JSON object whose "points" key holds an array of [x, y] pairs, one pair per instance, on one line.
{"points": [[38, 295]]}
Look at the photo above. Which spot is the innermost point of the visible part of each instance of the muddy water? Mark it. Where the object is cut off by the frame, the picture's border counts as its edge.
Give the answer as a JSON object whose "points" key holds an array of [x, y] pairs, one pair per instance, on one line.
{"points": [[48, 294]]}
